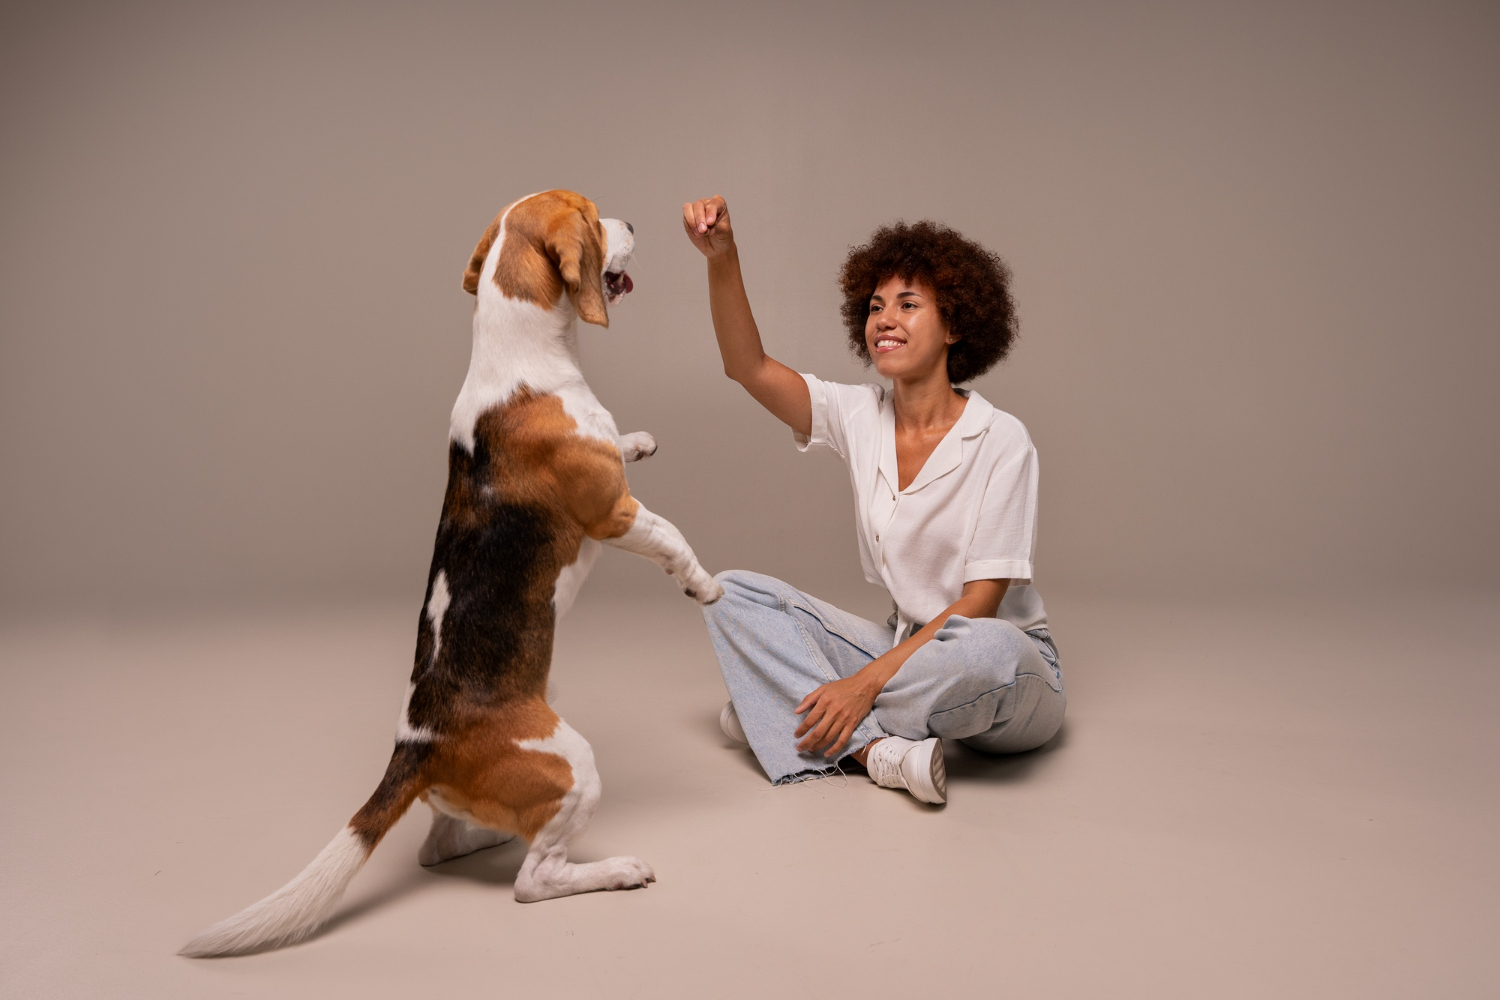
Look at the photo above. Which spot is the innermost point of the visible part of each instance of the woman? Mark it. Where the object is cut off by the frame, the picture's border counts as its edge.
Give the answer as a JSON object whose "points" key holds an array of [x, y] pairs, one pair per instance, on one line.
{"points": [[945, 494]]}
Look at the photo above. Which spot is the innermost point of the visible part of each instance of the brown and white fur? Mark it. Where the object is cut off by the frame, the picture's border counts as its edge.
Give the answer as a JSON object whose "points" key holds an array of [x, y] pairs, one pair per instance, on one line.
{"points": [[536, 483]]}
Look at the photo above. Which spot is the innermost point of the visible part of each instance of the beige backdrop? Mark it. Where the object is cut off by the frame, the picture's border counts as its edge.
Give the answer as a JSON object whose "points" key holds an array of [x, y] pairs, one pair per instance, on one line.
{"points": [[1254, 248]]}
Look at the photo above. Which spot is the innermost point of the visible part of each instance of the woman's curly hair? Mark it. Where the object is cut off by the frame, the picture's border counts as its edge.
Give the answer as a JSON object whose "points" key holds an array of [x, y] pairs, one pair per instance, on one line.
{"points": [[972, 286]]}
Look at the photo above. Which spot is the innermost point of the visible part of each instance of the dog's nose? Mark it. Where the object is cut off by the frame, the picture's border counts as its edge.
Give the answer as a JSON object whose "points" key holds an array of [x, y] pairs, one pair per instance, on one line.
{"points": [[631, 228]]}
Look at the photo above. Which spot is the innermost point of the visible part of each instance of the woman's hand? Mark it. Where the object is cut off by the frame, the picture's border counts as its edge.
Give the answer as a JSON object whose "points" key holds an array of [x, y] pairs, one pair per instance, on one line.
{"points": [[833, 711], [707, 224]]}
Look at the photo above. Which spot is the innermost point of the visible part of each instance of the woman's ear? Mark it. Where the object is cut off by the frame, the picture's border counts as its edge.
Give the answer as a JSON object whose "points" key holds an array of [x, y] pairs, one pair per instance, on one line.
{"points": [[476, 262], [579, 253]]}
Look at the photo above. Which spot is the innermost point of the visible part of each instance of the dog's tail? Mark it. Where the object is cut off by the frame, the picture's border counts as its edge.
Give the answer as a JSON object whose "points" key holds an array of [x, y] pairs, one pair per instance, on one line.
{"points": [[297, 909]]}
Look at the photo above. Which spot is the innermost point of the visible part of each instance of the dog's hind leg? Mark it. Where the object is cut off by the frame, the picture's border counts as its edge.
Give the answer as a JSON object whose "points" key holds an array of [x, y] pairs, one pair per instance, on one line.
{"points": [[546, 873], [451, 837], [636, 446], [658, 539]]}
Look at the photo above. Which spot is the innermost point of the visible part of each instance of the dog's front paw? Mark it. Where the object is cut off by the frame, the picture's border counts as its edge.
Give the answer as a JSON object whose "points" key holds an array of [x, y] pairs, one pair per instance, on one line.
{"points": [[701, 587], [550, 880], [627, 873], [636, 446]]}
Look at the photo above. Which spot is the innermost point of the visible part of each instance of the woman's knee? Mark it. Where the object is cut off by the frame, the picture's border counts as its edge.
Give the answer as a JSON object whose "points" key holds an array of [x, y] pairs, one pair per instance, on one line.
{"points": [[990, 650], [1038, 715], [991, 633], [743, 587]]}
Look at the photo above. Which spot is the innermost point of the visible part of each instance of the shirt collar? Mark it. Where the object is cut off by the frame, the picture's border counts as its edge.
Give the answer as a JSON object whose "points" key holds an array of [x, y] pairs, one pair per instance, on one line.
{"points": [[949, 453]]}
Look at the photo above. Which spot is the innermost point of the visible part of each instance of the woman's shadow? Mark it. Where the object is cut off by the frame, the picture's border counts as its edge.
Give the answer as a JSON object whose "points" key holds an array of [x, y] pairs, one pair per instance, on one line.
{"points": [[969, 765]]}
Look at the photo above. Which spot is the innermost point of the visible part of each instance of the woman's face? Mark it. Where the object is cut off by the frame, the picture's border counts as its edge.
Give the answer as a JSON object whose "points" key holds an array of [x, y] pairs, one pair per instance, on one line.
{"points": [[905, 333]]}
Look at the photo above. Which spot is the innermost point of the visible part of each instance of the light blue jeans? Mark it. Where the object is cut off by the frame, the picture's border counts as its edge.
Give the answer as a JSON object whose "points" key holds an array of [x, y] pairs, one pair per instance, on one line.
{"points": [[980, 680]]}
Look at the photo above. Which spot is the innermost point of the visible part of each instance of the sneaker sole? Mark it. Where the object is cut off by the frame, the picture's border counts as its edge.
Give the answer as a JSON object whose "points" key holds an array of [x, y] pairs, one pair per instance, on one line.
{"points": [[931, 784], [729, 723]]}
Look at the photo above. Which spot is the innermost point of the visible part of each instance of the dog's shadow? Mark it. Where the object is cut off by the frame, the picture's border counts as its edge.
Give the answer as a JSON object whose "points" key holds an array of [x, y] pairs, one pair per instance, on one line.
{"points": [[496, 866]]}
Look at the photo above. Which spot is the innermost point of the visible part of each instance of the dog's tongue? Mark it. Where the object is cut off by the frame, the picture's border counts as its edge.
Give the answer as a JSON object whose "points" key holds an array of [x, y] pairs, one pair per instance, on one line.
{"points": [[628, 283]]}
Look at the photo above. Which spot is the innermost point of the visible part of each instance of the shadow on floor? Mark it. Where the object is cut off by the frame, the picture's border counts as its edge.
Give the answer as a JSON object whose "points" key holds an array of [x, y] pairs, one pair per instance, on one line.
{"points": [[963, 762], [495, 866], [966, 764]]}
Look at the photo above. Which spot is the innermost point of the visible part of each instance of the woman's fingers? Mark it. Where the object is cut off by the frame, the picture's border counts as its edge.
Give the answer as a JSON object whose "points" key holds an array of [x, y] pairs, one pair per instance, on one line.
{"points": [[830, 714], [815, 722], [812, 699], [832, 739], [718, 212], [824, 733], [814, 718], [843, 741], [702, 215], [817, 738], [706, 222]]}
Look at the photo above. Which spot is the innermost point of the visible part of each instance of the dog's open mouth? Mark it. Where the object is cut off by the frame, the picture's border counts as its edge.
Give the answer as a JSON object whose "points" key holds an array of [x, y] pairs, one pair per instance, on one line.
{"points": [[617, 285]]}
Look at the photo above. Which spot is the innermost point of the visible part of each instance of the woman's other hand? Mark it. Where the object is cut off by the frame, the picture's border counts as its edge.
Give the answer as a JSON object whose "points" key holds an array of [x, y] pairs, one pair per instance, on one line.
{"points": [[833, 711], [706, 222]]}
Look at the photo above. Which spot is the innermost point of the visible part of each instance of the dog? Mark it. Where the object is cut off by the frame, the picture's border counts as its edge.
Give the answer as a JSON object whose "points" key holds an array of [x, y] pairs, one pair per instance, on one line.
{"points": [[536, 484]]}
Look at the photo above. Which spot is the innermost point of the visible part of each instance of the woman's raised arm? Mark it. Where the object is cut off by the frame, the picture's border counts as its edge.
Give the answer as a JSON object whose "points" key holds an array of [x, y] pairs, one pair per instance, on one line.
{"points": [[774, 385]]}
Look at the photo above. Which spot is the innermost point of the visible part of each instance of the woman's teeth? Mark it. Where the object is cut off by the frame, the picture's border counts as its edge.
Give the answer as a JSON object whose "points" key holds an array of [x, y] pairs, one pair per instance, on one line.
{"points": [[888, 344]]}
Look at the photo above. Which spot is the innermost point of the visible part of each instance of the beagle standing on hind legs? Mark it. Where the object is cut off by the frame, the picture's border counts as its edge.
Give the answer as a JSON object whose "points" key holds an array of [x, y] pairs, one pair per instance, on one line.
{"points": [[536, 482]]}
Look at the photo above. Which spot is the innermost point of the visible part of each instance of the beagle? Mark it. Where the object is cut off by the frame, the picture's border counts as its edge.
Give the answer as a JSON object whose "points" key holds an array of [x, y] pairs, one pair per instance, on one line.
{"points": [[536, 482]]}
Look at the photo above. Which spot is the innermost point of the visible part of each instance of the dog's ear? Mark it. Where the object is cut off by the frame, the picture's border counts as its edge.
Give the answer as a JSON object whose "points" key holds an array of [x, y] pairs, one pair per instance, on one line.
{"points": [[575, 243], [476, 262]]}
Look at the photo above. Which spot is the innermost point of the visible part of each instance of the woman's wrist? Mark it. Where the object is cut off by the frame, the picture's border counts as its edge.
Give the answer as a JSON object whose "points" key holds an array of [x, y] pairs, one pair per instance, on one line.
{"points": [[874, 676], [727, 257]]}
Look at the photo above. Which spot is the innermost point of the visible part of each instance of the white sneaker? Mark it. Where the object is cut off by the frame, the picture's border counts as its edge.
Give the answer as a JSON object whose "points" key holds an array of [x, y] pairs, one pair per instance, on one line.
{"points": [[729, 721], [915, 766]]}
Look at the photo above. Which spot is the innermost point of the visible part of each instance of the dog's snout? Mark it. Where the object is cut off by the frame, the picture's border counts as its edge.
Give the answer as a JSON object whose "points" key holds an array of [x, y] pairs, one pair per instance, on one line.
{"points": [[631, 228]]}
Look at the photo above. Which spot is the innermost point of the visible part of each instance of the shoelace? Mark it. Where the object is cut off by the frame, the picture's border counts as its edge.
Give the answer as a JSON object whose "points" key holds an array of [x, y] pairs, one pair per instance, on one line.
{"points": [[885, 764]]}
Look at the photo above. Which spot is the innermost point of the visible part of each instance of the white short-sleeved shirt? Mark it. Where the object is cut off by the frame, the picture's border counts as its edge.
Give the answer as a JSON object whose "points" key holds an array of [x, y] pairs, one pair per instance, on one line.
{"points": [[969, 515]]}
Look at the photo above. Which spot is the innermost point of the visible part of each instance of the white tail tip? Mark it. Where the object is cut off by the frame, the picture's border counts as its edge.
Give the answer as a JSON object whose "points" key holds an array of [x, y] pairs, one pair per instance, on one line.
{"points": [[290, 913]]}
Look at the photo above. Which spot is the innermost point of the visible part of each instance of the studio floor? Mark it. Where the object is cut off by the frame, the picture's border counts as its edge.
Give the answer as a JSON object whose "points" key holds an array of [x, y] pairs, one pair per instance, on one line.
{"points": [[1295, 799]]}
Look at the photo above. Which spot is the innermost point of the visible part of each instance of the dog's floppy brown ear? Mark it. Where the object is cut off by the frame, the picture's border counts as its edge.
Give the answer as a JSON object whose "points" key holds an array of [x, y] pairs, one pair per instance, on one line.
{"points": [[576, 245], [476, 262]]}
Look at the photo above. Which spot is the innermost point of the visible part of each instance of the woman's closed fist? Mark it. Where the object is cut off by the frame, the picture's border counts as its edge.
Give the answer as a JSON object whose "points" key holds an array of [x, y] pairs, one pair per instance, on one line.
{"points": [[706, 222]]}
